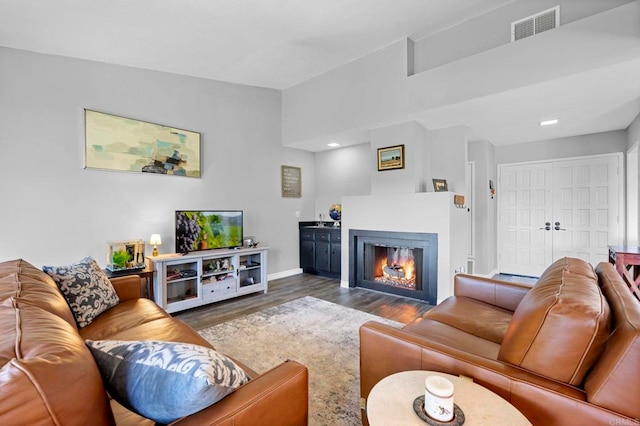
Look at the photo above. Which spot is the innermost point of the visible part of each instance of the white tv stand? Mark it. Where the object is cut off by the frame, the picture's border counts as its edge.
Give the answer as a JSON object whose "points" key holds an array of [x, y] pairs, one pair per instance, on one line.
{"points": [[199, 278]]}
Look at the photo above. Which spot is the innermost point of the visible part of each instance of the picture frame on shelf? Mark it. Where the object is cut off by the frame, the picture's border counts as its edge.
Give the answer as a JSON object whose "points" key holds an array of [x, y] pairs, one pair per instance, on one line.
{"points": [[391, 158], [440, 185]]}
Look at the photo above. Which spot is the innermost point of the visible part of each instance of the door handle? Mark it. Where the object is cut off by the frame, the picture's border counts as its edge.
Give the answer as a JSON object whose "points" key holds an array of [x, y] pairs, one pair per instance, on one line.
{"points": [[557, 227], [547, 226]]}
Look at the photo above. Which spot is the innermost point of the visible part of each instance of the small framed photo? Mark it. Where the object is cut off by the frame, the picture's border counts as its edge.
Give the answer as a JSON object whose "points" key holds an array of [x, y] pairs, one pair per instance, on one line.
{"points": [[391, 158], [440, 185]]}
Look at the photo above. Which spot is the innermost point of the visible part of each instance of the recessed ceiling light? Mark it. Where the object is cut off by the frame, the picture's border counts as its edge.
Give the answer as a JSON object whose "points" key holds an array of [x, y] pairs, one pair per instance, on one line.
{"points": [[333, 144], [549, 122]]}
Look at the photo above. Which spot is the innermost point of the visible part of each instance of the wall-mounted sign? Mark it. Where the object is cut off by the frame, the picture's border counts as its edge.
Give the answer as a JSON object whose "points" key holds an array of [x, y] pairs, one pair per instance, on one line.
{"points": [[291, 181]]}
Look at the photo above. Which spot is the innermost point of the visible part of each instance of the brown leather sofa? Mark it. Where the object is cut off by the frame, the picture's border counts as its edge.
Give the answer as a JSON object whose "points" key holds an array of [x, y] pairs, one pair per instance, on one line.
{"points": [[564, 352], [48, 375]]}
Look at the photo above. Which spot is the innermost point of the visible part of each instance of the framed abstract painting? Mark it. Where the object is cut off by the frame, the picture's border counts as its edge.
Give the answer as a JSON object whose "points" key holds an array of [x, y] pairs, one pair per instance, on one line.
{"points": [[124, 144]]}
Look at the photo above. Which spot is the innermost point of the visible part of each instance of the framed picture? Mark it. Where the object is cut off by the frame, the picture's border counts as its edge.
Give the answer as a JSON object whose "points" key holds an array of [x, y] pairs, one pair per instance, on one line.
{"points": [[125, 144], [391, 158], [440, 185], [291, 181]]}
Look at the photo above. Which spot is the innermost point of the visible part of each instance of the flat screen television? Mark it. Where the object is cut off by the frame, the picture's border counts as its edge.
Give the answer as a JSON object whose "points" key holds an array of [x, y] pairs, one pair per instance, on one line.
{"points": [[208, 229]]}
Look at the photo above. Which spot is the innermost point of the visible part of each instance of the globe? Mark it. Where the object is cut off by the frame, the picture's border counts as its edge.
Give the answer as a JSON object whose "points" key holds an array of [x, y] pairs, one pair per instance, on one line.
{"points": [[335, 211]]}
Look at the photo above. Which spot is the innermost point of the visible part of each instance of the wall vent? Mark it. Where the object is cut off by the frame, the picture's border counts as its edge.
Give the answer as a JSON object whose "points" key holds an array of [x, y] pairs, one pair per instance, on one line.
{"points": [[535, 24]]}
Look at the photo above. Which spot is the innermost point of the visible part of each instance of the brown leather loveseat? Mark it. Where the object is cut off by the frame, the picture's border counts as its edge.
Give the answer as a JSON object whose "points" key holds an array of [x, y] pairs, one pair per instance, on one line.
{"points": [[564, 352], [48, 375]]}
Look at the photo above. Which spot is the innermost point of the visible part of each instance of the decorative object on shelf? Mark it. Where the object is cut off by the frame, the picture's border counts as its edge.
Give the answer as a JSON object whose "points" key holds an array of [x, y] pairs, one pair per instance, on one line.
{"points": [[155, 240], [250, 242], [125, 144], [390, 158], [440, 185], [291, 181], [125, 255], [335, 213]]}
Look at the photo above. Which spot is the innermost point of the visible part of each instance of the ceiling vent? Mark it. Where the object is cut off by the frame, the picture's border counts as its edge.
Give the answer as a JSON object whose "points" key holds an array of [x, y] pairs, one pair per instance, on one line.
{"points": [[535, 24]]}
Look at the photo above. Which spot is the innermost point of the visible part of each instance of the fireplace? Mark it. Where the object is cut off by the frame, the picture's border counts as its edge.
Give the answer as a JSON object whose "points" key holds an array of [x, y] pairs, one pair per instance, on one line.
{"points": [[401, 263]]}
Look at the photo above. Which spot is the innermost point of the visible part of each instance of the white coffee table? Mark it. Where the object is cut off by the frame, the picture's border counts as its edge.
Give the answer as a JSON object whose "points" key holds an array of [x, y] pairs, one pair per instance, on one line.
{"points": [[391, 402]]}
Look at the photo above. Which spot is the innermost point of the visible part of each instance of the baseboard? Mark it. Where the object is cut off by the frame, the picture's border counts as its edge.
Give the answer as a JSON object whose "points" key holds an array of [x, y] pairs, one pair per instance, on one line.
{"points": [[284, 274], [344, 284]]}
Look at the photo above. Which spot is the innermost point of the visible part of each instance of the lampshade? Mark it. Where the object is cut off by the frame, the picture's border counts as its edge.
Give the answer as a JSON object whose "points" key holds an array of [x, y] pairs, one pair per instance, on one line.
{"points": [[155, 240]]}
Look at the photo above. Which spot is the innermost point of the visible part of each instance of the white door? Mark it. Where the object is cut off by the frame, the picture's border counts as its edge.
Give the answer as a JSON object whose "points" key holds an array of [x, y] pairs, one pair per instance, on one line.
{"points": [[525, 206], [556, 209]]}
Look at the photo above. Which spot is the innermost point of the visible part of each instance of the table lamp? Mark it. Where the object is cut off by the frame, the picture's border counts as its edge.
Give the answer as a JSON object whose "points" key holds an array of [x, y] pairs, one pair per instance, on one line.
{"points": [[155, 241]]}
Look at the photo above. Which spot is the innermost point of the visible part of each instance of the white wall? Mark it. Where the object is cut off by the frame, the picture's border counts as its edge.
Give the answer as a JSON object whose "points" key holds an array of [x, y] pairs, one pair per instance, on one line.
{"points": [[593, 144], [53, 211], [494, 29], [482, 153], [376, 90], [449, 157], [339, 173], [633, 182], [411, 178]]}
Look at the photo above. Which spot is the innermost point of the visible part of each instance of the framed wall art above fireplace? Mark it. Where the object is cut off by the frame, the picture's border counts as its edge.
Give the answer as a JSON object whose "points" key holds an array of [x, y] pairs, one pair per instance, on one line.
{"points": [[391, 158]]}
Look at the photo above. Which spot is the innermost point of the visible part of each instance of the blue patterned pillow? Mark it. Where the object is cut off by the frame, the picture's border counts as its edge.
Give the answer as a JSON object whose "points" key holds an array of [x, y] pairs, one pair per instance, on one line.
{"points": [[164, 381], [86, 288]]}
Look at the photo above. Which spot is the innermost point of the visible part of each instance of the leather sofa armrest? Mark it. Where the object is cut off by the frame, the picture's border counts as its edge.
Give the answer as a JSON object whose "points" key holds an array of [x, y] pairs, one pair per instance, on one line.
{"points": [[506, 295], [279, 397], [127, 287], [385, 350]]}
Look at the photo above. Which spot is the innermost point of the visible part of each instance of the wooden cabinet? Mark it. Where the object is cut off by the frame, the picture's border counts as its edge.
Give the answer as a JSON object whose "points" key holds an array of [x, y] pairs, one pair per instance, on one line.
{"points": [[198, 278], [320, 250], [307, 249], [335, 256]]}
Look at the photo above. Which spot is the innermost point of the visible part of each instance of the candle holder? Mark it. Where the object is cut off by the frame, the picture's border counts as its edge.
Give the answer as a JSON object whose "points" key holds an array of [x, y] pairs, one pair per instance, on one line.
{"points": [[418, 408]]}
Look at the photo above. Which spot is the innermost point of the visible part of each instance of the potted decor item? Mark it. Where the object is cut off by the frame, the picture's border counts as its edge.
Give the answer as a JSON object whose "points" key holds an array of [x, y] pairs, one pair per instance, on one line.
{"points": [[125, 255]]}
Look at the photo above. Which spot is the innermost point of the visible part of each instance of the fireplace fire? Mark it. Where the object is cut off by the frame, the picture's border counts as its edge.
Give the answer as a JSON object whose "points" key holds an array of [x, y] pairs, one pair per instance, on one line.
{"points": [[402, 263], [397, 269]]}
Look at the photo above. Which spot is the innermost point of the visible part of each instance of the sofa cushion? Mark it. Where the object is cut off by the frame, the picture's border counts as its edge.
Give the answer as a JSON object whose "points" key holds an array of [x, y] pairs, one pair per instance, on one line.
{"points": [[19, 279], [125, 316], [488, 322], [606, 384], [86, 288], [165, 381], [561, 325], [47, 374]]}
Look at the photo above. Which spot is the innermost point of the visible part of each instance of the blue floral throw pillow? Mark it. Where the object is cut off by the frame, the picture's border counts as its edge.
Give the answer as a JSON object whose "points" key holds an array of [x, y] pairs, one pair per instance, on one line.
{"points": [[164, 381], [86, 288]]}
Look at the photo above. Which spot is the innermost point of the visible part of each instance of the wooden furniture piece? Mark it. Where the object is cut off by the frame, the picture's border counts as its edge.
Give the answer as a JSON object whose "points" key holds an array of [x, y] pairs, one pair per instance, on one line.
{"points": [[391, 401], [627, 262], [146, 274], [320, 249], [203, 277]]}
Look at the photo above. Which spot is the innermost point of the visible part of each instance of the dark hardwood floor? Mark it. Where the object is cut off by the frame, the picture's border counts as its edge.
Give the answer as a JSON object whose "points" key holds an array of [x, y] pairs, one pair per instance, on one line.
{"points": [[283, 290]]}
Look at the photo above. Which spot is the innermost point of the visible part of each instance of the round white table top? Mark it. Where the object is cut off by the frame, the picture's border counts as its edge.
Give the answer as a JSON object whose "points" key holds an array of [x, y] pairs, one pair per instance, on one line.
{"points": [[391, 401]]}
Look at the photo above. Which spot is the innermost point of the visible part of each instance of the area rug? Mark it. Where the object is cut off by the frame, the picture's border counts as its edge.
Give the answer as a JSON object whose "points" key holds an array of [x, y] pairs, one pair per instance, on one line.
{"points": [[319, 334]]}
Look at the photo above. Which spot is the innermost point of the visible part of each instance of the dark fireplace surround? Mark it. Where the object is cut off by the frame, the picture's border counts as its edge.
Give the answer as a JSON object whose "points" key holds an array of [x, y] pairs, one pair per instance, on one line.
{"points": [[367, 248]]}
